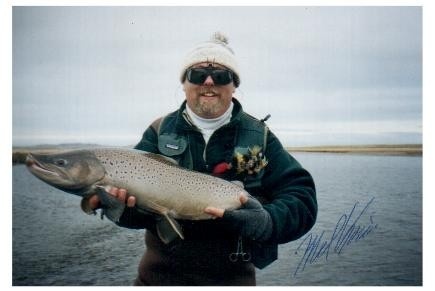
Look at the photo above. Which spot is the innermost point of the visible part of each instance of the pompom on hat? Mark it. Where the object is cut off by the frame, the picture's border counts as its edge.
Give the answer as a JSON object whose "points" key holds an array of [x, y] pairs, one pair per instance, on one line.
{"points": [[217, 51]]}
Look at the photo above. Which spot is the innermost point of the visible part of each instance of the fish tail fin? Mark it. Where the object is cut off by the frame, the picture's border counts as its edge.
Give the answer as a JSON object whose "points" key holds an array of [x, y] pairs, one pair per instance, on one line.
{"points": [[168, 229]]}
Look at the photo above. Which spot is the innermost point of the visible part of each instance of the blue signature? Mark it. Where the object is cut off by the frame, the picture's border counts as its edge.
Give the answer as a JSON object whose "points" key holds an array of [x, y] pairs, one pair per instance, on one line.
{"points": [[345, 233]]}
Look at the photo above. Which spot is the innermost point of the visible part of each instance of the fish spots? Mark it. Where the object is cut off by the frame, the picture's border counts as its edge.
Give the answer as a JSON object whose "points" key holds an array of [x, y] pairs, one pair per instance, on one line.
{"points": [[162, 181]]}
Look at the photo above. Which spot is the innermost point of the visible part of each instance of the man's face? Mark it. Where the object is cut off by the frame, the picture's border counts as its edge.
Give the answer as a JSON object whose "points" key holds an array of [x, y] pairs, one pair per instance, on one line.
{"points": [[208, 100]]}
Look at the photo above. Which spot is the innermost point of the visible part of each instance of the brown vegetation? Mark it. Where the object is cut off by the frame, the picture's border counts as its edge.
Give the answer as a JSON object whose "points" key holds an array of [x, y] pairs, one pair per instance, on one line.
{"points": [[408, 150], [19, 154]]}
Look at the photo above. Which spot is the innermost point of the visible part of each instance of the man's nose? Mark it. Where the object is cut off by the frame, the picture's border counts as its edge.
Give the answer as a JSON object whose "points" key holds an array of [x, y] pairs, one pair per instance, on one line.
{"points": [[208, 81]]}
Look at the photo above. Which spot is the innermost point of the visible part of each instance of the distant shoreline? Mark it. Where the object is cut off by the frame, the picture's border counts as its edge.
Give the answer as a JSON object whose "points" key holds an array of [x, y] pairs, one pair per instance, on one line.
{"points": [[19, 153], [399, 149]]}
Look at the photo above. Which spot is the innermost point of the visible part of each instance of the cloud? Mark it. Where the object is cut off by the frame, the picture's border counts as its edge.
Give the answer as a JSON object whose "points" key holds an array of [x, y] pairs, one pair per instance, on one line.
{"points": [[110, 71]]}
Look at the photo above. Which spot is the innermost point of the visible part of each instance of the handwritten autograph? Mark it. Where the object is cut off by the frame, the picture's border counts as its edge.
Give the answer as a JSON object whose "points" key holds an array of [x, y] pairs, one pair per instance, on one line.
{"points": [[345, 233]]}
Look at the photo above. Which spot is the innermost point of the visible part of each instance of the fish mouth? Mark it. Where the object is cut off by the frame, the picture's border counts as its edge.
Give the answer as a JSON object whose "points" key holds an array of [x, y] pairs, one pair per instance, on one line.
{"points": [[35, 166]]}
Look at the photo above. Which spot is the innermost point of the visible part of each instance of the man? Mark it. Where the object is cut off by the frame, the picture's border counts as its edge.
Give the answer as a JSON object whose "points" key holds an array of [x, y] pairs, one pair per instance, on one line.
{"points": [[210, 133]]}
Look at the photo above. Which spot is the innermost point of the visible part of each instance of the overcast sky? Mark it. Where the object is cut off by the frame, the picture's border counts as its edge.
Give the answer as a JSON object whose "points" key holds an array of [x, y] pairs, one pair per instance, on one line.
{"points": [[327, 75]]}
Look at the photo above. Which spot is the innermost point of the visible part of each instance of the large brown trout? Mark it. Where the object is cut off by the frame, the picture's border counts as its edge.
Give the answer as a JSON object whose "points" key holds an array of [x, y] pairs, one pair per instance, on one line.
{"points": [[158, 183]]}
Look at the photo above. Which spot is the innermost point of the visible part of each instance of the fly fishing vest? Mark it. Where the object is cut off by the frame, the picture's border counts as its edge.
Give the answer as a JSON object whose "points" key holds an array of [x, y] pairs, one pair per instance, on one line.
{"points": [[250, 132]]}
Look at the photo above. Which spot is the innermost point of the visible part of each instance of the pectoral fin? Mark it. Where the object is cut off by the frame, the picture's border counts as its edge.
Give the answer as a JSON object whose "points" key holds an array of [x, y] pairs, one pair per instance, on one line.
{"points": [[86, 207], [111, 206], [168, 229]]}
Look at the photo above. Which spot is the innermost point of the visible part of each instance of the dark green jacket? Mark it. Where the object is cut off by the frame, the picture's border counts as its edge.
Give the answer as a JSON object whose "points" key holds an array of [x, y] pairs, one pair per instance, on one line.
{"points": [[287, 190]]}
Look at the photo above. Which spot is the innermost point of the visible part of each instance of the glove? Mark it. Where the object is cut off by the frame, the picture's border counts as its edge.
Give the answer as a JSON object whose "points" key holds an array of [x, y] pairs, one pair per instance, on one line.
{"points": [[251, 221]]}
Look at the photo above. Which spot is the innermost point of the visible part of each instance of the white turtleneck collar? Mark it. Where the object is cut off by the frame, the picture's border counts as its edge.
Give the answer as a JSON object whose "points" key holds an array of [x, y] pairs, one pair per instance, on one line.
{"points": [[208, 126]]}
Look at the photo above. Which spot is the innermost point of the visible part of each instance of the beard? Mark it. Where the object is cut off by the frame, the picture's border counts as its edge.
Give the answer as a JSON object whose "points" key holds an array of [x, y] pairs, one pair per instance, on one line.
{"points": [[209, 108]]}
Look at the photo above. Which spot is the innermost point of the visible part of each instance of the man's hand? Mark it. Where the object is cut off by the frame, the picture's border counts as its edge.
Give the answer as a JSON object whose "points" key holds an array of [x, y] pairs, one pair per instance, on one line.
{"points": [[219, 212], [119, 193], [251, 220]]}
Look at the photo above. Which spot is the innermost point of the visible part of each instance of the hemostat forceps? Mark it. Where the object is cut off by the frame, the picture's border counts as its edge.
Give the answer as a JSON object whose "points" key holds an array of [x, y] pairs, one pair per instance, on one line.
{"points": [[245, 257]]}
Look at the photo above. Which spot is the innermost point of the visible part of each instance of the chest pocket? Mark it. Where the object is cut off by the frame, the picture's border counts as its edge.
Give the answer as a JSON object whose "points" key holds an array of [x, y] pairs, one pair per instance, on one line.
{"points": [[172, 145]]}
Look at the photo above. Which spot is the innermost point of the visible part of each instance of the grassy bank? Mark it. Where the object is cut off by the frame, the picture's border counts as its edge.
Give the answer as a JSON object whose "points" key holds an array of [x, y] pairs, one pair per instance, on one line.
{"points": [[19, 154], [403, 150]]}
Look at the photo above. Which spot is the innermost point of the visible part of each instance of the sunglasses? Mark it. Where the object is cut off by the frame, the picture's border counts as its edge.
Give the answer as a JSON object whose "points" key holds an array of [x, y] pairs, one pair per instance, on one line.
{"points": [[199, 75]]}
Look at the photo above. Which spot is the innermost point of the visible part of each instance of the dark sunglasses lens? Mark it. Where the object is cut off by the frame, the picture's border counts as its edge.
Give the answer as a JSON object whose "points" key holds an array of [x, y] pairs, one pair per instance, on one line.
{"points": [[221, 77], [198, 76]]}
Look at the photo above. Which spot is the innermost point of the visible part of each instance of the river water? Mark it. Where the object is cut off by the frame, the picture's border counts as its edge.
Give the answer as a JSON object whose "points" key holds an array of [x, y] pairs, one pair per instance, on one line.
{"points": [[368, 231]]}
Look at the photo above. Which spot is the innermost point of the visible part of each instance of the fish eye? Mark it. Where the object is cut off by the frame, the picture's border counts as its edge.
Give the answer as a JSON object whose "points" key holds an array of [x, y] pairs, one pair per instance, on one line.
{"points": [[60, 162]]}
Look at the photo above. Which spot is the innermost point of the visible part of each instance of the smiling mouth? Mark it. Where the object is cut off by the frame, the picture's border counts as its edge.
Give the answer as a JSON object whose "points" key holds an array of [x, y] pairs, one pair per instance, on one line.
{"points": [[209, 94]]}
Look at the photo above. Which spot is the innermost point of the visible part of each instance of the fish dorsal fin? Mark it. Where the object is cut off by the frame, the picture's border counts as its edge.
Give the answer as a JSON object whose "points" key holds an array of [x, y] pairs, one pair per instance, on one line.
{"points": [[162, 159], [238, 183]]}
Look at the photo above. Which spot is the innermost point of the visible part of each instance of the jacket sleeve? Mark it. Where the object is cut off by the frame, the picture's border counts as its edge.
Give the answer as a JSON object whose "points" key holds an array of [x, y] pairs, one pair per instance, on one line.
{"points": [[291, 193], [133, 218]]}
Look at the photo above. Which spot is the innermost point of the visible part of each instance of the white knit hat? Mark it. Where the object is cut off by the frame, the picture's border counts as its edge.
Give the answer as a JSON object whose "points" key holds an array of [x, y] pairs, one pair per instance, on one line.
{"points": [[217, 51]]}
